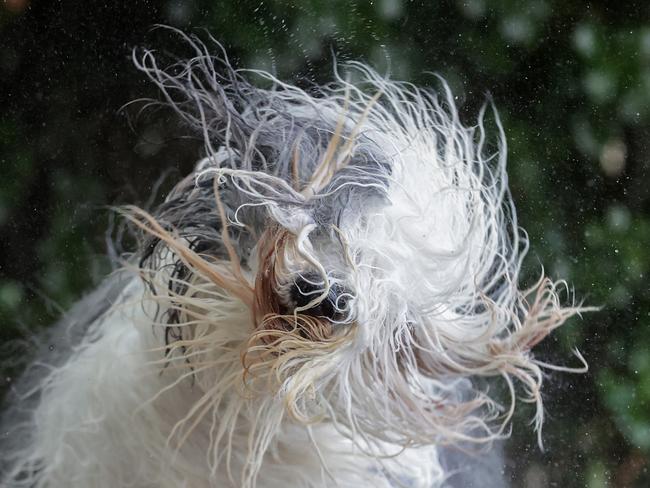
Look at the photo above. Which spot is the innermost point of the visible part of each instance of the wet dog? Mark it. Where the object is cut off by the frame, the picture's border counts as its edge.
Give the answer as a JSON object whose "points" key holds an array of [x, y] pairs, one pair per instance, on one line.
{"points": [[322, 302]]}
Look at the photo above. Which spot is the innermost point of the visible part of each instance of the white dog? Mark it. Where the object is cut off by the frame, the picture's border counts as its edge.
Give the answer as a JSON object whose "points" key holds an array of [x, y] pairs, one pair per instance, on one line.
{"points": [[321, 303]]}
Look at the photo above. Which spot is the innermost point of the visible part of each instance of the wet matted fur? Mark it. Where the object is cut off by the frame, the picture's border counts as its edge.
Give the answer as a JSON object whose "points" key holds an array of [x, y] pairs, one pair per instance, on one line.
{"points": [[320, 303]]}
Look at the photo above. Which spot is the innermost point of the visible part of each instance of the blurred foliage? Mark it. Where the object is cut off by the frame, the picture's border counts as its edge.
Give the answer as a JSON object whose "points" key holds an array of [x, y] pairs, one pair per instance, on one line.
{"points": [[571, 81]]}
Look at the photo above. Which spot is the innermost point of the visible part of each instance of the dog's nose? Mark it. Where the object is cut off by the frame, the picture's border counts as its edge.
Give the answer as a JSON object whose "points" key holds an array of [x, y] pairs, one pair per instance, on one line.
{"points": [[310, 287]]}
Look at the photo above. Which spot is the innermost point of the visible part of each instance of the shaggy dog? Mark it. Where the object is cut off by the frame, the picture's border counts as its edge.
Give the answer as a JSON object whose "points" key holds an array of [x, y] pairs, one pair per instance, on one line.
{"points": [[320, 303]]}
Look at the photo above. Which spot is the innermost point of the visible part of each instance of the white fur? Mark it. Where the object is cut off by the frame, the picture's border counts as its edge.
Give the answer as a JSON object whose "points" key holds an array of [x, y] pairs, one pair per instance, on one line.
{"points": [[97, 425], [429, 246]]}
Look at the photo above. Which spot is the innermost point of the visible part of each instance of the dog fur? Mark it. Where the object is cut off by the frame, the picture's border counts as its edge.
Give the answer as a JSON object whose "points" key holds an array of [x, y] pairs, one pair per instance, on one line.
{"points": [[324, 301]]}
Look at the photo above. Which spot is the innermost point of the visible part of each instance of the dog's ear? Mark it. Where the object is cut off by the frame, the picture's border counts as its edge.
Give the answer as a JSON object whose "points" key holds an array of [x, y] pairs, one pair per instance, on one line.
{"points": [[222, 108]]}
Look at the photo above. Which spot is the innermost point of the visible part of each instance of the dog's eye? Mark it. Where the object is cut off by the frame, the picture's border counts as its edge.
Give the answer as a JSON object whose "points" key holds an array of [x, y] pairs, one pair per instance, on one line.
{"points": [[307, 288]]}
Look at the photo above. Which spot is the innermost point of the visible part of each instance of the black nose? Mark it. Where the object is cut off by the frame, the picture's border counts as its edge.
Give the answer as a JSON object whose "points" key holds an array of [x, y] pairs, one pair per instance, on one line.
{"points": [[307, 288]]}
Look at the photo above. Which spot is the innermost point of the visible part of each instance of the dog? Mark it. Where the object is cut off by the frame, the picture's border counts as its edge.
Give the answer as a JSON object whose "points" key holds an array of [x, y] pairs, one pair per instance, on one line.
{"points": [[325, 300]]}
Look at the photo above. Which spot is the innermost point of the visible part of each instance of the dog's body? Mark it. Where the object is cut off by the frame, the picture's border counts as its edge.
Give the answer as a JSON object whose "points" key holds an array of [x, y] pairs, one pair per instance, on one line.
{"points": [[101, 449], [313, 306]]}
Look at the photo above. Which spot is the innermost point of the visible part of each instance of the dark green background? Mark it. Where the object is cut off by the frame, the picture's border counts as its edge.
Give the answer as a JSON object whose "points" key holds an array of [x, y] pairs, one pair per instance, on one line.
{"points": [[571, 81]]}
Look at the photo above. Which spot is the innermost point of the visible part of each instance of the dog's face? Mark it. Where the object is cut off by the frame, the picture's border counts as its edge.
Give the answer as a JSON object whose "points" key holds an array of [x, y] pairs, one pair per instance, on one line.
{"points": [[350, 255]]}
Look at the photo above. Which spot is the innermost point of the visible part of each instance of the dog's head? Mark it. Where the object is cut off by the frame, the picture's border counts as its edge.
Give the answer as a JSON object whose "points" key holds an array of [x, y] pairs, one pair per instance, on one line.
{"points": [[348, 254]]}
